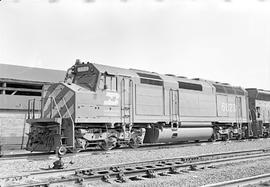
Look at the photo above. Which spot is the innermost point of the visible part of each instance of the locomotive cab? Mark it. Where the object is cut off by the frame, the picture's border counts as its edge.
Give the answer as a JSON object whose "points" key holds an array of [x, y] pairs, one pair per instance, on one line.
{"points": [[84, 111], [85, 75]]}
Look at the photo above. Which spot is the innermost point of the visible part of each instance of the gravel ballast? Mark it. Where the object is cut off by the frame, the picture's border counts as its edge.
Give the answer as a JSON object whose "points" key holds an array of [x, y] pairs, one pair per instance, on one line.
{"points": [[203, 177], [99, 159]]}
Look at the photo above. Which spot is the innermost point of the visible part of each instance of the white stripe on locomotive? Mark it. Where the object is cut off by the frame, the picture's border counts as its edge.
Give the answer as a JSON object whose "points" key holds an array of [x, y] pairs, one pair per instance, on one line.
{"points": [[61, 103], [55, 92]]}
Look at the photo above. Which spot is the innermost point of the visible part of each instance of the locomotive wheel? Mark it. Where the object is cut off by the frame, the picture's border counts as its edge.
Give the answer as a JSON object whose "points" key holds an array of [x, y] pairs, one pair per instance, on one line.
{"points": [[225, 138], [239, 137], [117, 145], [231, 136], [213, 138], [108, 144], [61, 151], [134, 143]]}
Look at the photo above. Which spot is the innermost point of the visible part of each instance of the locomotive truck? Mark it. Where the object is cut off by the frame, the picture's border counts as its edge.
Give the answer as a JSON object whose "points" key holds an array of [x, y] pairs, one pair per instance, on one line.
{"points": [[105, 106]]}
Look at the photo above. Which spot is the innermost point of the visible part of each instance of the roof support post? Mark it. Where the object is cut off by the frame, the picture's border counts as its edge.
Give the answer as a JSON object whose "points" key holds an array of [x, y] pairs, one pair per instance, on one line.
{"points": [[4, 86]]}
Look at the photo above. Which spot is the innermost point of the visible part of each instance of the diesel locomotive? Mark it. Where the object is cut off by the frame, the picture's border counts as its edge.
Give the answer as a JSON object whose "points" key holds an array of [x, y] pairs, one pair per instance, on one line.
{"points": [[105, 106]]}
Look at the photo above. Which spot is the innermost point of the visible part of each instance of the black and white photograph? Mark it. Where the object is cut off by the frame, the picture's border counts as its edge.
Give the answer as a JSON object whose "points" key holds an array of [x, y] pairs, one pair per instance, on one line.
{"points": [[134, 93]]}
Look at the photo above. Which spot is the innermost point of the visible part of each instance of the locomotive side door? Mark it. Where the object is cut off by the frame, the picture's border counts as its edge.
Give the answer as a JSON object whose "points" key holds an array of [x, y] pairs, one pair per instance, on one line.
{"points": [[174, 109], [238, 109], [259, 120], [238, 116], [126, 105]]}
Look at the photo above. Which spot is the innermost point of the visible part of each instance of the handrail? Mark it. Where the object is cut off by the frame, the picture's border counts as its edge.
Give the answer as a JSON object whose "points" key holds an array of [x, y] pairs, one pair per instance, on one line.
{"points": [[28, 109], [131, 103], [31, 111], [68, 111], [34, 102], [56, 107], [174, 113]]}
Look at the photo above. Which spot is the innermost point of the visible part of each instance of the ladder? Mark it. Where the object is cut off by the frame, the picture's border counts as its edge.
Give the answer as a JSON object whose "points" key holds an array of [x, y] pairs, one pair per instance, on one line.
{"points": [[174, 109], [126, 105]]}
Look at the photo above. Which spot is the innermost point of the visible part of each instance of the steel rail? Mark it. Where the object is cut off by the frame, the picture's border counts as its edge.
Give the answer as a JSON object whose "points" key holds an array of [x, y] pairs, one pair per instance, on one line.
{"points": [[170, 166], [184, 159], [113, 172], [19, 156], [122, 175], [23, 155], [258, 179]]}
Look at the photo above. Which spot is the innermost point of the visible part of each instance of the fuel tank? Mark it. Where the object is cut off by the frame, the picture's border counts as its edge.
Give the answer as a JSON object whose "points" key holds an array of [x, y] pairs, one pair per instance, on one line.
{"points": [[155, 135]]}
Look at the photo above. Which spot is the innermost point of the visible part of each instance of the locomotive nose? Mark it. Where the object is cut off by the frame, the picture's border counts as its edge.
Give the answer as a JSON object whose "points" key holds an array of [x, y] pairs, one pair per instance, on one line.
{"points": [[58, 101]]}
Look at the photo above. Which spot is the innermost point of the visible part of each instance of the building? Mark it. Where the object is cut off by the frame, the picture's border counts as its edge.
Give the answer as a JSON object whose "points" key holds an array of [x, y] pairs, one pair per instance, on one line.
{"points": [[18, 84]]}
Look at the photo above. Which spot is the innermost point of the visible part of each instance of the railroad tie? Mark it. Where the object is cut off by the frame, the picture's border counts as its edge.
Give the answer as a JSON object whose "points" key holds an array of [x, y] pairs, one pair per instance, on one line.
{"points": [[106, 178], [150, 173], [120, 177]]}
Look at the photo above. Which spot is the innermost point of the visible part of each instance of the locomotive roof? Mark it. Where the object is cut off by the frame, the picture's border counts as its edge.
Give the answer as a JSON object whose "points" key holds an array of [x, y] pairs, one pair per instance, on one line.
{"points": [[264, 91], [225, 87], [115, 70], [228, 89], [133, 73], [143, 74], [258, 90], [259, 94], [183, 82]]}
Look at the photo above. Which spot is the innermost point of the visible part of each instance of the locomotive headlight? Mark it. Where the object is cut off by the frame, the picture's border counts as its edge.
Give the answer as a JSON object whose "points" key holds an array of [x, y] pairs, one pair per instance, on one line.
{"points": [[82, 69]]}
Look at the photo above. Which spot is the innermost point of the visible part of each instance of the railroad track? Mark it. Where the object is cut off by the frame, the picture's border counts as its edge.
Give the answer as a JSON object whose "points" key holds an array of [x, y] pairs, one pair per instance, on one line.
{"points": [[98, 151], [258, 180], [134, 171]]}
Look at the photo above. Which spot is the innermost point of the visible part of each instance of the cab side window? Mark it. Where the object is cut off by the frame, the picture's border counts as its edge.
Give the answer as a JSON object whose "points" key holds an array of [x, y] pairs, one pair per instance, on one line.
{"points": [[114, 84], [108, 82], [101, 82]]}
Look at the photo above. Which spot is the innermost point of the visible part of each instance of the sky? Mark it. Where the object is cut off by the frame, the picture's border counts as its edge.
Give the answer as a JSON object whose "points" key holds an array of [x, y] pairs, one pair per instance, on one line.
{"points": [[222, 40]]}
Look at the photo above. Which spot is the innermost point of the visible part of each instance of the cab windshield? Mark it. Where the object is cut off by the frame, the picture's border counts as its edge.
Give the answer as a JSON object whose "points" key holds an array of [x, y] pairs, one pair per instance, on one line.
{"points": [[86, 75]]}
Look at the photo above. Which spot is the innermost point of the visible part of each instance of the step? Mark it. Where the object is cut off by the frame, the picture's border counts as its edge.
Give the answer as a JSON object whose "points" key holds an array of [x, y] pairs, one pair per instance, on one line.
{"points": [[126, 116], [125, 108]]}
